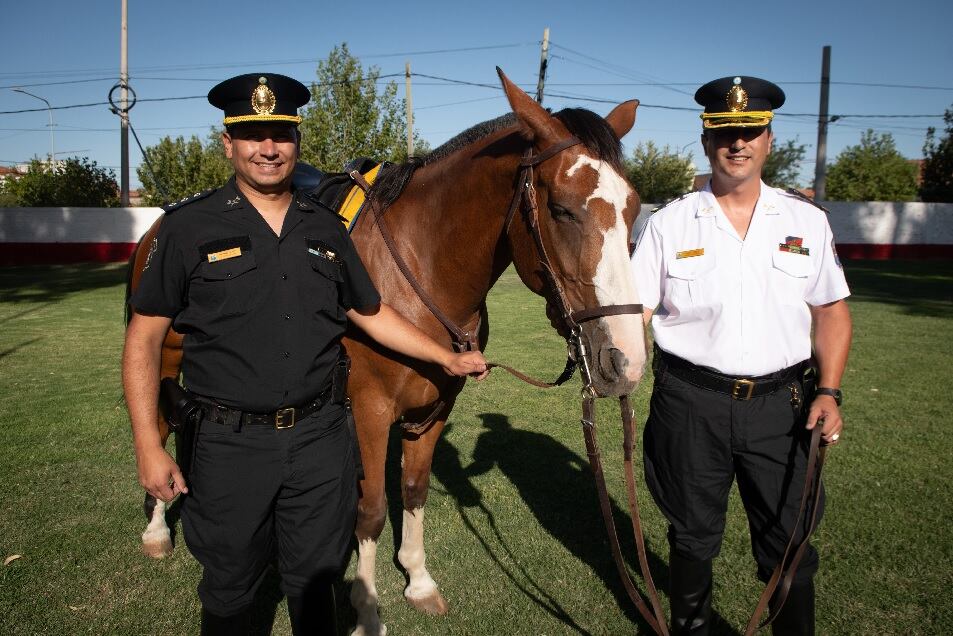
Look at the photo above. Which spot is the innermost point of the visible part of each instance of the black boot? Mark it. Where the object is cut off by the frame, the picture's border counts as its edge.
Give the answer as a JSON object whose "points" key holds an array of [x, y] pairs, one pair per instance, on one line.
{"points": [[690, 595], [235, 625], [797, 614], [313, 614]]}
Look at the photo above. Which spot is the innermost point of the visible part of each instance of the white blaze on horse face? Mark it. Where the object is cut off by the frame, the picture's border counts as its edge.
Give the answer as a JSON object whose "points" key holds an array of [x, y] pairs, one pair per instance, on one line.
{"points": [[613, 281]]}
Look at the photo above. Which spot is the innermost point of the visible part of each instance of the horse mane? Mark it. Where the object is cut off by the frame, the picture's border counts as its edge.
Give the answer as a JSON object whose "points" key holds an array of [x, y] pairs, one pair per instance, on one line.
{"points": [[591, 129]]}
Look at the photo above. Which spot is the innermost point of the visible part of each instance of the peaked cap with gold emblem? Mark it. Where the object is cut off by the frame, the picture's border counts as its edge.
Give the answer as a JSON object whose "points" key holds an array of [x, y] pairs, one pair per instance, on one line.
{"points": [[259, 97], [739, 102]]}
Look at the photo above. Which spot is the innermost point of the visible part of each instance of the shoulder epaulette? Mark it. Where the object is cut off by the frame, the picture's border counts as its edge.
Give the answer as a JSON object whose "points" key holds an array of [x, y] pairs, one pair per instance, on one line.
{"points": [[803, 197], [671, 201], [198, 196]]}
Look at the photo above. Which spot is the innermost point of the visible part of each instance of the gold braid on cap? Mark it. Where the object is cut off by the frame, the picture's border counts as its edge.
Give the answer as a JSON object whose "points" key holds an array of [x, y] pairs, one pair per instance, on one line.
{"points": [[737, 119], [240, 119]]}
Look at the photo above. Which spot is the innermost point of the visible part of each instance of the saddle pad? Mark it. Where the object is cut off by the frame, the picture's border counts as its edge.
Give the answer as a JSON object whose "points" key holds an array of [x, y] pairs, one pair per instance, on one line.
{"points": [[353, 203]]}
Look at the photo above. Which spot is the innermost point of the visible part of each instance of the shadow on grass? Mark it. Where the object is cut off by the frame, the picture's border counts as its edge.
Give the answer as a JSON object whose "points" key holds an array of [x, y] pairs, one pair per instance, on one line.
{"points": [[50, 283], [917, 287], [557, 486]]}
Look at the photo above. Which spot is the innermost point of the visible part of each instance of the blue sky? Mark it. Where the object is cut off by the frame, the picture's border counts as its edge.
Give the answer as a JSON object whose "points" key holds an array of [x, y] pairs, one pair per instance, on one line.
{"points": [[609, 50]]}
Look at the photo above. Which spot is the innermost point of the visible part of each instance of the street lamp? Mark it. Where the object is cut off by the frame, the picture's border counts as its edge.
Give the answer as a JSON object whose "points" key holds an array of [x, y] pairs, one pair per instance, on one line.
{"points": [[50, 110]]}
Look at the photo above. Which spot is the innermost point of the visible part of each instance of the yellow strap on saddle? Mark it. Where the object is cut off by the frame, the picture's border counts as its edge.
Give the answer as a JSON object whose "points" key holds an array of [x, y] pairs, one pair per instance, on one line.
{"points": [[354, 200]]}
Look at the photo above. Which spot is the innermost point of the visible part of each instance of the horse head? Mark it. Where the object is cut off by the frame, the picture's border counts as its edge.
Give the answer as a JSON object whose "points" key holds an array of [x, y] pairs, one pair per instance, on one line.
{"points": [[585, 209]]}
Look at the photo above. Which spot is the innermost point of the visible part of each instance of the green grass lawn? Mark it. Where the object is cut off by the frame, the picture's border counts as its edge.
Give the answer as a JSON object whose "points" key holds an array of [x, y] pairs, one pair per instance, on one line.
{"points": [[514, 535]]}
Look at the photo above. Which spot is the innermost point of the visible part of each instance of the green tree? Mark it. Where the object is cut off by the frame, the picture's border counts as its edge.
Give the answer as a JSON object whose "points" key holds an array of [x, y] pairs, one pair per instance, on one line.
{"points": [[76, 182], [659, 174], [348, 117], [938, 164], [183, 168], [873, 170], [783, 166]]}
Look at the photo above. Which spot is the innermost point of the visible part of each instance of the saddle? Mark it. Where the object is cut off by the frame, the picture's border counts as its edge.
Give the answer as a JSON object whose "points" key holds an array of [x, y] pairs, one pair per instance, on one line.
{"points": [[344, 193]]}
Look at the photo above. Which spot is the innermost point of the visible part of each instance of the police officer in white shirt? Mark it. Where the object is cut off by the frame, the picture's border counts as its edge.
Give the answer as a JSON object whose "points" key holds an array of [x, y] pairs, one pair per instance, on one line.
{"points": [[736, 276]]}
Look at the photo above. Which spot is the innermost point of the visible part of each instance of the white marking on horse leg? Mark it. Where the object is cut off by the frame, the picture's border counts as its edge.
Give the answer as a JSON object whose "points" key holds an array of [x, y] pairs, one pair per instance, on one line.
{"points": [[364, 597], [157, 540], [613, 280], [422, 591]]}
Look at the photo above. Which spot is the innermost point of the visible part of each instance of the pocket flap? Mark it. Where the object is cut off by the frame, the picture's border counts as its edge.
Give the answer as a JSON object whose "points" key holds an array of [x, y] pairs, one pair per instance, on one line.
{"points": [[797, 265], [229, 268], [326, 267], [692, 267]]}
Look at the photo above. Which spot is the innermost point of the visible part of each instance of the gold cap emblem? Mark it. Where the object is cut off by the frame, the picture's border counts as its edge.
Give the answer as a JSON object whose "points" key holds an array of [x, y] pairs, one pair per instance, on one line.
{"points": [[737, 97], [262, 99]]}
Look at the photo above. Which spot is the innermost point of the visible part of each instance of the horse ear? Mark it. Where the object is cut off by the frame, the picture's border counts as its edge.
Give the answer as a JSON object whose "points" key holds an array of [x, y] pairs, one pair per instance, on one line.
{"points": [[622, 117], [535, 122]]}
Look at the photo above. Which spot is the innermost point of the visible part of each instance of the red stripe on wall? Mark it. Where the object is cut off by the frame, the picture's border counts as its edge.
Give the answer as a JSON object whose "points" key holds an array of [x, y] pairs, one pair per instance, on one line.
{"points": [[63, 253], [894, 250]]}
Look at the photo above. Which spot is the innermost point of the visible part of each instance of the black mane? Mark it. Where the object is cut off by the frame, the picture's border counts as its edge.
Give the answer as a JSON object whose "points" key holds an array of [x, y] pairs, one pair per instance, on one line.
{"points": [[591, 129]]}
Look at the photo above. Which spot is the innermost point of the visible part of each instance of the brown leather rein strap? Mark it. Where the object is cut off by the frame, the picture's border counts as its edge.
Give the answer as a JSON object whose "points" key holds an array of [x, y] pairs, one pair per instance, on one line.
{"points": [[784, 572], [655, 617]]}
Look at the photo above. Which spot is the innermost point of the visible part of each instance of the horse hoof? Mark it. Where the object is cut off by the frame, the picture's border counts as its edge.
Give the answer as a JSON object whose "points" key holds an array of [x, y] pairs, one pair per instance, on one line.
{"points": [[157, 545], [379, 629], [433, 603]]}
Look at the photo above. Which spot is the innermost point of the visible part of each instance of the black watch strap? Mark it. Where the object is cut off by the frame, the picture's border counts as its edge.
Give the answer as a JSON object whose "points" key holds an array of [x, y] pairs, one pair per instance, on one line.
{"points": [[834, 393]]}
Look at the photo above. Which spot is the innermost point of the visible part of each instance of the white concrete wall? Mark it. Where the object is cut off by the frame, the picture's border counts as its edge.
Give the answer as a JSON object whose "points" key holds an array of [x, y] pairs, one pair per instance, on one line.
{"points": [[75, 225], [878, 222]]}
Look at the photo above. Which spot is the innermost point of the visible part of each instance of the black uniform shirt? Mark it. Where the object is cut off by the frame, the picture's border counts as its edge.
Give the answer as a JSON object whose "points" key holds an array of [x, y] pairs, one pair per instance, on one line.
{"points": [[262, 315]]}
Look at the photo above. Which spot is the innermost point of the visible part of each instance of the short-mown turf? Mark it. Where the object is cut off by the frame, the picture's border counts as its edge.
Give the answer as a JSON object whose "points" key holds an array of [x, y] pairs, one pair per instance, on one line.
{"points": [[514, 535]]}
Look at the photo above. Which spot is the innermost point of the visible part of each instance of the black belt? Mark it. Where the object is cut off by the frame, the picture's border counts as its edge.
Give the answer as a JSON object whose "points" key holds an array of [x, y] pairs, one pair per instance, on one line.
{"points": [[738, 387], [282, 418]]}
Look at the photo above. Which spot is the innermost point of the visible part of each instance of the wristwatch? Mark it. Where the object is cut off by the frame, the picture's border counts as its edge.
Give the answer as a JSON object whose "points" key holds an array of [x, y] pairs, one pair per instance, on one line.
{"points": [[834, 393]]}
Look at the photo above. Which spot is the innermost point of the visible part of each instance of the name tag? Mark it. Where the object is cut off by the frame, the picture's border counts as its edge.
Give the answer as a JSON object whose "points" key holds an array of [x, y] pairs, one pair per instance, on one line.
{"points": [[224, 254], [690, 253]]}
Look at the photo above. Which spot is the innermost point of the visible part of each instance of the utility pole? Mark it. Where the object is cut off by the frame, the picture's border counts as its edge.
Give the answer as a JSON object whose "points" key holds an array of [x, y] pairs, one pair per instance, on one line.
{"points": [[124, 113], [543, 61], [820, 167], [409, 103]]}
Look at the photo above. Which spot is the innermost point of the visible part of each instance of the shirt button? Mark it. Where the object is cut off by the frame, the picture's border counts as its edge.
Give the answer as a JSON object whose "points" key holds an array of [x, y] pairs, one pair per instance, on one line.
{"points": [[284, 276], [287, 316], [286, 354]]}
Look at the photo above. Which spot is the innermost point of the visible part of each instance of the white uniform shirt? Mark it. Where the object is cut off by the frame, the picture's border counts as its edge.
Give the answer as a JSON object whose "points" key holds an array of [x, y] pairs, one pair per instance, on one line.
{"points": [[741, 307]]}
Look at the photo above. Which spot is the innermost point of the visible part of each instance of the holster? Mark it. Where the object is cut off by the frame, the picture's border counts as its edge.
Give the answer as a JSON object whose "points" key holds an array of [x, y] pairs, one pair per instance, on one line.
{"points": [[184, 415], [339, 375]]}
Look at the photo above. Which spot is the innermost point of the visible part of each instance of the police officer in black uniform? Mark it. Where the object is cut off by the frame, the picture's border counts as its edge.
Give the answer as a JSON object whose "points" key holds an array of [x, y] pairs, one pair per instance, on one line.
{"points": [[262, 282], [741, 280]]}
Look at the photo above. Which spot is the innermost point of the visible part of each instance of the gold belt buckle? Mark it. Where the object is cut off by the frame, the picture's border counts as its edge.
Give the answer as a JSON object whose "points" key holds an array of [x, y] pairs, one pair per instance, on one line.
{"points": [[285, 418], [742, 389]]}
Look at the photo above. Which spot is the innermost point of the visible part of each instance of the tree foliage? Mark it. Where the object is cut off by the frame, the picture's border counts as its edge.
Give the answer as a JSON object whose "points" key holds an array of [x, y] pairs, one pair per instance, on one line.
{"points": [[348, 117], [183, 168], [938, 164], [783, 166], [873, 170], [659, 174], [76, 182]]}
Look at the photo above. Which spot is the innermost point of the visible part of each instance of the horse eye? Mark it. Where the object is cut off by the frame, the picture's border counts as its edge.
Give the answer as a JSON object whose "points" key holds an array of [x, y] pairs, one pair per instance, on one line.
{"points": [[560, 213]]}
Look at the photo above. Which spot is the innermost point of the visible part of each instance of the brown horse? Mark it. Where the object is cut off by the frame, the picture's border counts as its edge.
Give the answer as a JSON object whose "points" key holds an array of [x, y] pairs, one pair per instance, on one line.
{"points": [[458, 218]]}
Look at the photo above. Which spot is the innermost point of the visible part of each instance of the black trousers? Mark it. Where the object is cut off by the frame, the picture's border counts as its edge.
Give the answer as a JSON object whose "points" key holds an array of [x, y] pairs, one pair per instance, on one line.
{"points": [[257, 489], [697, 442]]}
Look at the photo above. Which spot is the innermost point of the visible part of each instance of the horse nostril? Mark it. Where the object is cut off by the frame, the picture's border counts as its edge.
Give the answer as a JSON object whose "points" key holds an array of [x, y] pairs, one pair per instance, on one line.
{"points": [[613, 364]]}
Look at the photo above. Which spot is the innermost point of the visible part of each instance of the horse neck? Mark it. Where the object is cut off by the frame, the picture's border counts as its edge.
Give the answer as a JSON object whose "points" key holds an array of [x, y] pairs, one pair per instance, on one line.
{"points": [[453, 211]]}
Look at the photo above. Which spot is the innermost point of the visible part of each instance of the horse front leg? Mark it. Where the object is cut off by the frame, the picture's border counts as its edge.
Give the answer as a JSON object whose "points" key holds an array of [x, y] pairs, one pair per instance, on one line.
{"points": [[371, 514], [421, 591]]}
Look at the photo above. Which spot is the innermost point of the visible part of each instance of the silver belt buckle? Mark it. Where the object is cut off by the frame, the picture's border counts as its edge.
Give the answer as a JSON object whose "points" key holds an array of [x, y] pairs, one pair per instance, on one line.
{"points": [[284, 418]]}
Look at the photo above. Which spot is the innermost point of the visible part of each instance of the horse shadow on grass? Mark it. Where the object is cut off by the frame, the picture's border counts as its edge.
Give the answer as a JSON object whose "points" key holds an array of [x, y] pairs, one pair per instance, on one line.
{"points": [[558, 487]]}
